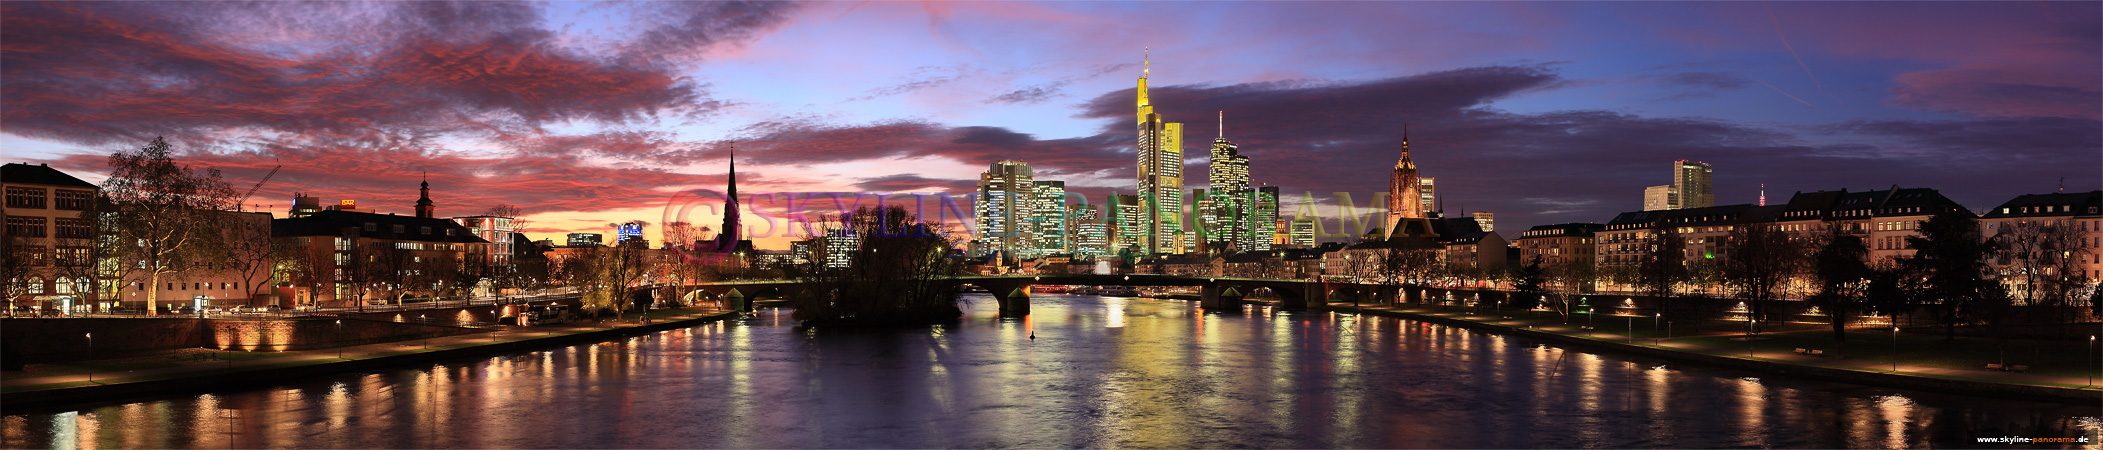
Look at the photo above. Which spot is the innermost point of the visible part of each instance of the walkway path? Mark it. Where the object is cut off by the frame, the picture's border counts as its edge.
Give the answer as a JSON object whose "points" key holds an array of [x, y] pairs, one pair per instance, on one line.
{"points": [[82, 373], [1620, 335]]}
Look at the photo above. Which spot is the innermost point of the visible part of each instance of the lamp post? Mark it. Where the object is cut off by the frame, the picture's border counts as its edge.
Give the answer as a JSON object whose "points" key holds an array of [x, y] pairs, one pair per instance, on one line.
{"points": [[1632, 328], [2091, 359], [91, 357], [1749, 321], [339, 338], [1894, 349]]}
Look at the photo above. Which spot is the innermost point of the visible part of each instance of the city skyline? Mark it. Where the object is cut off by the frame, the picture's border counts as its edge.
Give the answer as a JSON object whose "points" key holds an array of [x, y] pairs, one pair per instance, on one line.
{"points": [[1529, 112]]}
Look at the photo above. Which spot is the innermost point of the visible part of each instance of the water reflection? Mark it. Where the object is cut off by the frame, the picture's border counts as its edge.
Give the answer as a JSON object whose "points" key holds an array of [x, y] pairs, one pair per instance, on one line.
{"points": [[1100, 373]]}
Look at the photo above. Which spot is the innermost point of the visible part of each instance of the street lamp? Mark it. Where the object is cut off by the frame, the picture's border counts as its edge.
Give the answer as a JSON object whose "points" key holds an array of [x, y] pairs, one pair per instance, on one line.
{"points": [[91, 357], [1894, 349], [339, 338], [2091, 359], [1749, 321]]}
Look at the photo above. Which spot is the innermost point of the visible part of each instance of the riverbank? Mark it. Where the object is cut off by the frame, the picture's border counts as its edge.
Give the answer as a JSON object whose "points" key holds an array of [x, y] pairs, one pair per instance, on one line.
{"points": [[1699, 349], [107, 380]]}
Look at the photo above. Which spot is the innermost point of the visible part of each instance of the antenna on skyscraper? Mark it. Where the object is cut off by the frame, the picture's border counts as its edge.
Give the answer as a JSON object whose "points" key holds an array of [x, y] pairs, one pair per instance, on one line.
{"points": [[1763, 194], [1223, 135], [1146, 62]]}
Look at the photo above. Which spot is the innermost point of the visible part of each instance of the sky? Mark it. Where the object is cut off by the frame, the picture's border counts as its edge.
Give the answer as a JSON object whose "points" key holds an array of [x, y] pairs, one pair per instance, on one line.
{"points": [[586, 114]]}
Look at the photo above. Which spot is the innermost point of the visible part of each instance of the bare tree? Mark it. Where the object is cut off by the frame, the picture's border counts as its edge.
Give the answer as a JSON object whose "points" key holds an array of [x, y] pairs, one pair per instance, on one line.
{"points": [[169, 212], [19, 259], [250, 251], [1759, 260], [1567, 283], [1843, 280], [1661, 266]]}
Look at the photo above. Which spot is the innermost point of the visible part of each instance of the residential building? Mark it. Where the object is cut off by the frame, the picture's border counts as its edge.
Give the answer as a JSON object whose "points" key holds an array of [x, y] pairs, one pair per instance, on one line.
{"points": [[2076, 229], [1559, 244], [48, 239]]}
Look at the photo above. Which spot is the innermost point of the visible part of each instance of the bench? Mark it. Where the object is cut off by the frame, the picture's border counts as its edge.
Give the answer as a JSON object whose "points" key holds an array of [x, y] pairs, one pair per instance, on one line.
{"points": [[1816, 352], [1995, 366], [1803, 352], [2018, 368]]}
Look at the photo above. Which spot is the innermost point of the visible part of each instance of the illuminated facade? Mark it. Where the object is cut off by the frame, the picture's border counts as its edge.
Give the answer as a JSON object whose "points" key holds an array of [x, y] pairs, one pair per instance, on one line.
{"points": [[1048, 217], [1160, 151], [1090, 235], [1007, 198], [1303, 232], [1406, 212], [1690, 182]]}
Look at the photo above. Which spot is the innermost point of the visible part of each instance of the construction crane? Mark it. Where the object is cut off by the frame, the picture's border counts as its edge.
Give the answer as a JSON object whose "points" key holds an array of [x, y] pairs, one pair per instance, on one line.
{"points": [[259, 185]]}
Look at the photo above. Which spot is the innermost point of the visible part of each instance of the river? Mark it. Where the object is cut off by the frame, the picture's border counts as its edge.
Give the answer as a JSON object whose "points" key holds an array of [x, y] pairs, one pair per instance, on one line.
{"points": [[1081, 371]]}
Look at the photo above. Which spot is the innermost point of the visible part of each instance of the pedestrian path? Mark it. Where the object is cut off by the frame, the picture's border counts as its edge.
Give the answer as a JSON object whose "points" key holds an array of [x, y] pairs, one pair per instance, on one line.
{"points": [[74, 374], [1681, 344]]}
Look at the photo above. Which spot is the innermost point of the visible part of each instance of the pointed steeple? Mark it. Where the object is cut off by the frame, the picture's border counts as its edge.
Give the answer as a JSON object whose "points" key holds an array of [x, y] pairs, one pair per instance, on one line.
{"points": [[727, 239], [424, 207], [1405, 148]]}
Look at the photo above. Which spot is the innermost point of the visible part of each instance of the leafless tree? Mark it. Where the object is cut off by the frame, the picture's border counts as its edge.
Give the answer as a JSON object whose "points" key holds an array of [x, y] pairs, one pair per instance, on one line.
{"points": [[168, 211], [1759, 260]]}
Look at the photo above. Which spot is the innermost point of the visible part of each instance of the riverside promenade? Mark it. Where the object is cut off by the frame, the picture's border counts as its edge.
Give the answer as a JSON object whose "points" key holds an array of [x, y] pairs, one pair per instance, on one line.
{"points": [[188, 370], [1899, 360]]}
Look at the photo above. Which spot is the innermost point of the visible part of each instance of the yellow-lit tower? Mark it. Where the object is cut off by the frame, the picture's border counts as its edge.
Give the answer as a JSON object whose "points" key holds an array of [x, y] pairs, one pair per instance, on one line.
{"points": [[1160, 175]]}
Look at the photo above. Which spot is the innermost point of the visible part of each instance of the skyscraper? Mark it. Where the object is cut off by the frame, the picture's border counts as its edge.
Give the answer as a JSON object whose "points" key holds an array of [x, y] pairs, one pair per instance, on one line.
{"points": [[1690, 179], [1303, 232], [1488, 221], [1160, 151], [1263, 221], [1006, 200], [1048, 217], [1125, 224], [1089, 236], [1689, 188], [1427, 189], [1227, 210]]}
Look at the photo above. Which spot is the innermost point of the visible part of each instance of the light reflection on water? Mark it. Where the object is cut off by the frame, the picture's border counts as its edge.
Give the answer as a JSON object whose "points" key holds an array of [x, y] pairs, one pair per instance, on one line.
{"points": [[1100, 373]]}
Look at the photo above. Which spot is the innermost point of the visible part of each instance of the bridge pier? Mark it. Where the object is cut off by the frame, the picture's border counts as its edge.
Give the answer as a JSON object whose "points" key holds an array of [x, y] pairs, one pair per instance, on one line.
{"points": [[736, 300], [1214, 296], [1016, 303]]}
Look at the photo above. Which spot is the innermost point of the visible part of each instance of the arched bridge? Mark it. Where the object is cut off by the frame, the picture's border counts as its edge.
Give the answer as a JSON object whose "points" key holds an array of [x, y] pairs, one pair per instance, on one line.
{"points": [[1013, 291]]}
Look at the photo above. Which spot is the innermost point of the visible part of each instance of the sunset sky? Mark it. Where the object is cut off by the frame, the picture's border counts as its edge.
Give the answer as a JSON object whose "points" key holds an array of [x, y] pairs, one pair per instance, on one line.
{"points": [[583, 114]]}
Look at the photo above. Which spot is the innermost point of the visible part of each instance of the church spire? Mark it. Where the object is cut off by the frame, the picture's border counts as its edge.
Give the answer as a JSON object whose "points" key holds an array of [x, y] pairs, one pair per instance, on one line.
{"points": [[1405, 146], [727, 239], [424, 207]]}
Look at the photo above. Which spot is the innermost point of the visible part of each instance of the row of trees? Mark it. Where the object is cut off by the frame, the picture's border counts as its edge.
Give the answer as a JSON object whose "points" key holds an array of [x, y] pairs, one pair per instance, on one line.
{"points": [[1957, 275]]}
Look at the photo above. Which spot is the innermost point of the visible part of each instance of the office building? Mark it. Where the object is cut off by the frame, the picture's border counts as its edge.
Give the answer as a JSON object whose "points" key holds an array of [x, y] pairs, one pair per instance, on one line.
{"points": [[1160, 152]]}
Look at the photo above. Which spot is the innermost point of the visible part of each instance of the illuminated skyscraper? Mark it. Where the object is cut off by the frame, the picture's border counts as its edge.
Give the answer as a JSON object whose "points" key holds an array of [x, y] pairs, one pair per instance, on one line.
{"points": [[1427, 189], [1125, 225], [1690, 179], [1263, 221], [1227, 211], [1089, 237], [1006, 199], [1303, 232], [1160, 151], [1689, 188], [1048, 217]]}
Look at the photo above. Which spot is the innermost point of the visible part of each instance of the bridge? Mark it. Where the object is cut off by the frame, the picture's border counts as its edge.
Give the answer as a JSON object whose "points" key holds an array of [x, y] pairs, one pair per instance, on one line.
{"points": [[1013, 291]]}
